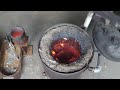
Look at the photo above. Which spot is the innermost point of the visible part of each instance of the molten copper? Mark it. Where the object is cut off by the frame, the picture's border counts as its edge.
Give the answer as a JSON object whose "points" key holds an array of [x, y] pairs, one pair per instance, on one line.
{"points": [[17, 32], [65, 50]]}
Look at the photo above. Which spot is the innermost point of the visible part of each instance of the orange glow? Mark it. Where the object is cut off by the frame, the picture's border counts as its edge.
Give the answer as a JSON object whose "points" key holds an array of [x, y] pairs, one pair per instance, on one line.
{"points": [[62, 44], [56, 58], [65, 51], [53, 53]]}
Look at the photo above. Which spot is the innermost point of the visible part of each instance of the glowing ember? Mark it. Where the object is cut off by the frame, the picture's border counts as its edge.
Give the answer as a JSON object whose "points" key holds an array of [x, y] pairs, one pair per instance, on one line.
{"points": [[65, 50]]}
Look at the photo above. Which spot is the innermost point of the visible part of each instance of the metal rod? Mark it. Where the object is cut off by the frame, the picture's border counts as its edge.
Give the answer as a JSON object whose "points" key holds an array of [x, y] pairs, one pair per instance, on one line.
{"points": [[88, 20], [98, 68]]}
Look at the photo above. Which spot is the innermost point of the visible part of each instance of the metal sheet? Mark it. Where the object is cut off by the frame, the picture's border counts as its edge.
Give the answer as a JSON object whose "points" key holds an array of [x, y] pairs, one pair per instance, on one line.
{"points": [[107, 40]]}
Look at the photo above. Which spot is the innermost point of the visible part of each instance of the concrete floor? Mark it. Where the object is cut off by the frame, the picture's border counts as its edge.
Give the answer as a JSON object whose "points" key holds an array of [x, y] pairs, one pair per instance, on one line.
{"points": [[35, 23]]}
